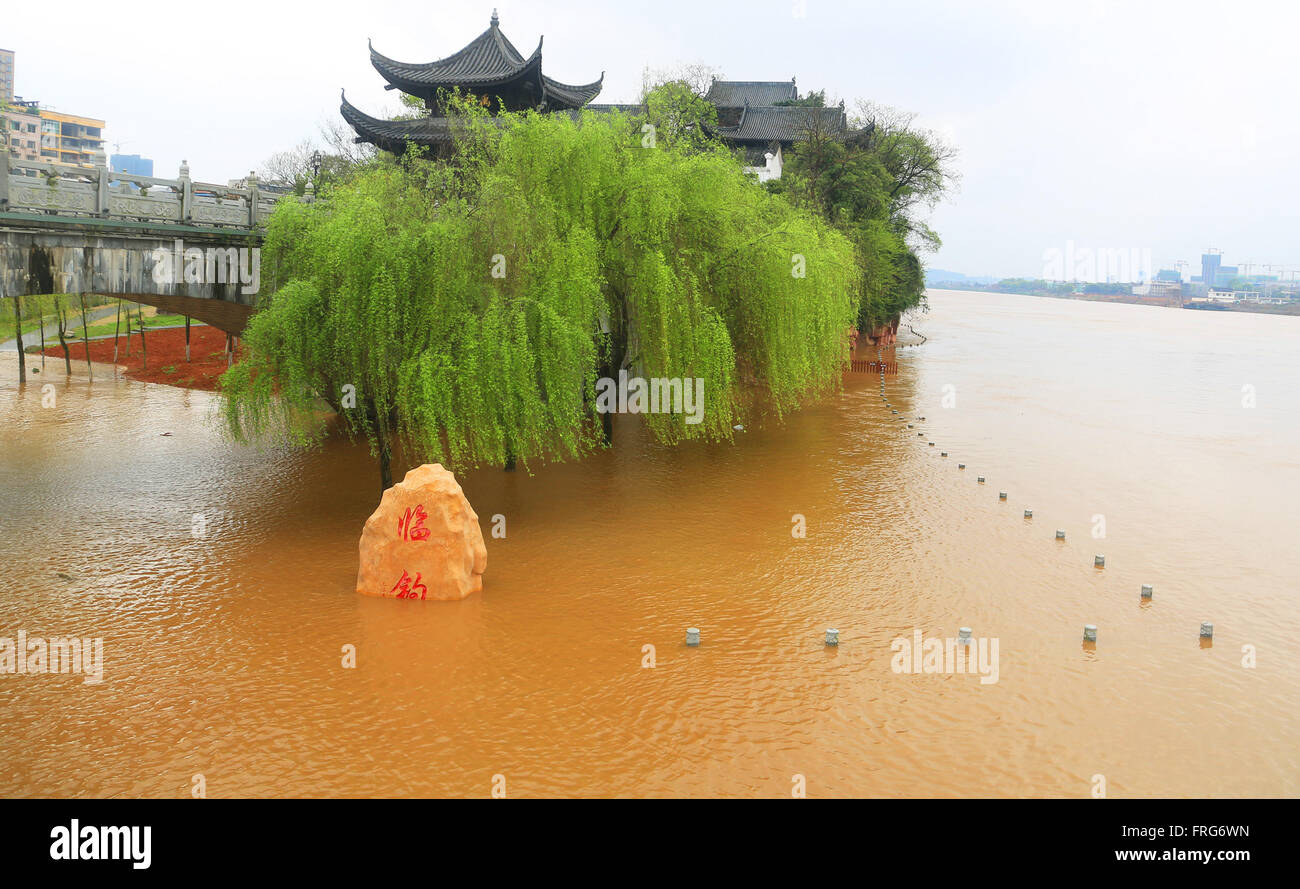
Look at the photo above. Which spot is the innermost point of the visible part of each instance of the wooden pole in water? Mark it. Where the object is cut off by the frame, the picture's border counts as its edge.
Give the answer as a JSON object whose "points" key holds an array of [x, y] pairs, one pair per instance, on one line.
{"points": [[85, 336], [18, 335], [117, 325], [42, 316], [128, 332], [144, 346], [67, 359], [187, 339]]}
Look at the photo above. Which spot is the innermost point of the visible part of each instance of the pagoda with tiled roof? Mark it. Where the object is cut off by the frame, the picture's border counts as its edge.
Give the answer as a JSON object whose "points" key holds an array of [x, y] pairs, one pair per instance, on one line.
{"points": [[757, 117], [489, 67]]}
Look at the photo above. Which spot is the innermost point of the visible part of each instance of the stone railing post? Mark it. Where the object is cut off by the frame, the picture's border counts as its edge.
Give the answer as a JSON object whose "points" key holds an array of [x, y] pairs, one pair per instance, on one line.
{"points": [[187, 193], [101, 190], [253, 199], [309, 193]]}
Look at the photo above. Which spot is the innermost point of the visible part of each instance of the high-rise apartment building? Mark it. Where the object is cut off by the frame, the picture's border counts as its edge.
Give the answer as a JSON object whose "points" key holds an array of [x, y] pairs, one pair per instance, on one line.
{"points": [[42, 134], [6, 75], [23, 121], [131, 163], [1210, 263], [71, 138]]}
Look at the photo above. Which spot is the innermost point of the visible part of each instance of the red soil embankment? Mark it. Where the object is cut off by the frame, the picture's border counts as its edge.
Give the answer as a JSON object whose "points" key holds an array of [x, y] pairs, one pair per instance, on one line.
{"points": [[166, 356], [884, 335]]}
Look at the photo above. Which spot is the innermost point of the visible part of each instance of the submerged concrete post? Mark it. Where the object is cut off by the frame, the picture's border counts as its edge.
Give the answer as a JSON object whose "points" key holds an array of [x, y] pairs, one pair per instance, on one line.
{"points": [[692, 636]]}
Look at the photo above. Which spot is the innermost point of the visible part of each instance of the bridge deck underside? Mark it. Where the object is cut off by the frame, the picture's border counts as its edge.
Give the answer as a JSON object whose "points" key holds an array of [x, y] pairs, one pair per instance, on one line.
{"points": [[42, 257], [227, 317]]}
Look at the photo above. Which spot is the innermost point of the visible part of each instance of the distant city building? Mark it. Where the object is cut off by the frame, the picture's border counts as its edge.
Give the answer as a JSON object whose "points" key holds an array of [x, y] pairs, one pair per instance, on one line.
{"points": [[1209, 268], [23, 121], [1214, 275], [1163, 289], [131, 163], [43, 134], [1169, 275], [6, 75], [71, 138]]}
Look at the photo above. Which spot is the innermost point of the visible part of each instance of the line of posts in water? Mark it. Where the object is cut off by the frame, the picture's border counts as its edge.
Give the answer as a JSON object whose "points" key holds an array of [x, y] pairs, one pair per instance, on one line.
{"points": [[964, 633]]}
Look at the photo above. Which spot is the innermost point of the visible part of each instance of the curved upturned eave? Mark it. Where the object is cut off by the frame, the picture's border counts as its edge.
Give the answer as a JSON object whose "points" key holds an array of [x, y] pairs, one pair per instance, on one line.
{"points": [[393, 135], [564, 96], [428, 76]]}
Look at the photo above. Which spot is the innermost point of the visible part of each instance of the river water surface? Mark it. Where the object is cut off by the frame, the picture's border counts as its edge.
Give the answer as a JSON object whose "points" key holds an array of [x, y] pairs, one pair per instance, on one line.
{"points": [[223, 653]]}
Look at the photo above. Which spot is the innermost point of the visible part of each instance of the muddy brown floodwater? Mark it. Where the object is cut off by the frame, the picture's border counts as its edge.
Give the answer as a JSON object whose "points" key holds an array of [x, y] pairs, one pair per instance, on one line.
{"points": [[222, 654]]}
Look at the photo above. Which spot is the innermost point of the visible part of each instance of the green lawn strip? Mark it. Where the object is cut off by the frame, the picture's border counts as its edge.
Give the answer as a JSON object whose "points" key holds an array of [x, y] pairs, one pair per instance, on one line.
{"points": [[102, 328], [44, 307]]}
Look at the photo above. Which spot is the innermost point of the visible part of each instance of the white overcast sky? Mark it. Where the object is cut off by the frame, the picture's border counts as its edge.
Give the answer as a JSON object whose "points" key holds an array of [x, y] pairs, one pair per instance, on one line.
{"points": [[1169, 126]]}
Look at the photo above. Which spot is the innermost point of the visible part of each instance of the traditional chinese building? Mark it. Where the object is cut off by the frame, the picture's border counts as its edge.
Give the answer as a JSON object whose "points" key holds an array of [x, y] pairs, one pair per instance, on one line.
{"points": [[756, 116], [489, 67]]}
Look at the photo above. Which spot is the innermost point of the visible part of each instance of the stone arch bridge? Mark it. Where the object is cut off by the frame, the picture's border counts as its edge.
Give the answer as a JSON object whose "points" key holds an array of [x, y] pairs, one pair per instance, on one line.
{"points": [[187, 247]]}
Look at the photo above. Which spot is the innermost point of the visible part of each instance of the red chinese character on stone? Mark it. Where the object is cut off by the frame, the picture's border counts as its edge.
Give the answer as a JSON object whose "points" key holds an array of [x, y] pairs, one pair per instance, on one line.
{"points": [[411, 524], [409, 587]]}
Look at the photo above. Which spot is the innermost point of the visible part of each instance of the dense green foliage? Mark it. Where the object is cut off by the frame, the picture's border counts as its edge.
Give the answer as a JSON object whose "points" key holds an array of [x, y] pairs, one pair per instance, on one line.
{"points": [[474, 303], [870, 185]]}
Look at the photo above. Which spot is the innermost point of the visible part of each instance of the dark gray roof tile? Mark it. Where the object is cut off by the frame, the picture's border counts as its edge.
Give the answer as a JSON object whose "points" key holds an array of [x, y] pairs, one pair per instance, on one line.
{"points": [[733, 93], [785, 123], [490, 59]]}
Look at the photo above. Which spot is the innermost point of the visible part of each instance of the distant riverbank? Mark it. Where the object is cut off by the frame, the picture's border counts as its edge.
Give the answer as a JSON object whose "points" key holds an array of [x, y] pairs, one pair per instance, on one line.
{"points": [[1130, 299]]}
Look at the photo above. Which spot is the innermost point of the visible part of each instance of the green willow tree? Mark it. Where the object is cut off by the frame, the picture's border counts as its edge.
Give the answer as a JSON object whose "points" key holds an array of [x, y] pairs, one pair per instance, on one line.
{"points": [[870, 183], [466, 308]]}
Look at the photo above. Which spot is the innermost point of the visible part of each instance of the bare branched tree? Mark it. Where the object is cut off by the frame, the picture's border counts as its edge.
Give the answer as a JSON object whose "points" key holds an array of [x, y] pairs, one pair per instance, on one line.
{"points": [[289, 167], [341, 141], [697, 75], [920, 161], [337, 152]]}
